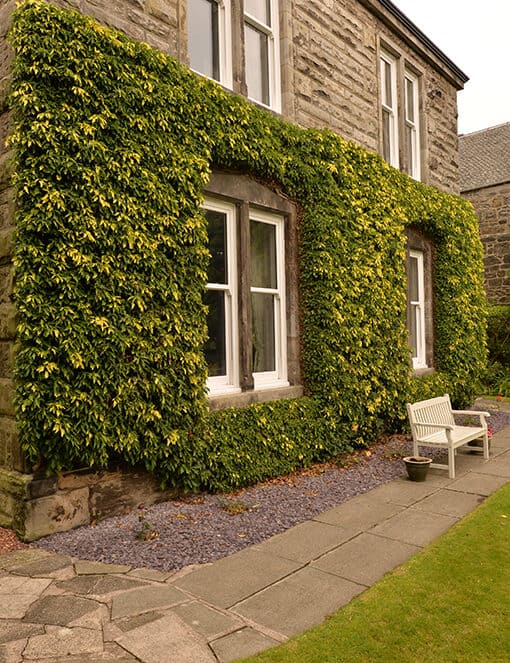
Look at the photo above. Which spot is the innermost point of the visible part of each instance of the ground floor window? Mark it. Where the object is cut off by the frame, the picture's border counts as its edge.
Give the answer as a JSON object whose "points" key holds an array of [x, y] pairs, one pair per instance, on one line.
{"points": [[420, 299], [417, 308], [247, 293]]}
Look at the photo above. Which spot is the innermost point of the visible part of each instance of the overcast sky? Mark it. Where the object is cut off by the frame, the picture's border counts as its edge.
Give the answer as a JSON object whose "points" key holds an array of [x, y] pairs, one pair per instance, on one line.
{"points": [[475, 34]]}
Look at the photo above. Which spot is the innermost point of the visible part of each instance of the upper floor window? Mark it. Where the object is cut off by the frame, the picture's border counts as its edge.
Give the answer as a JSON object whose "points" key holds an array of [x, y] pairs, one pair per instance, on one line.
{"points": [[389, 109], [209, 39], [412, 124], [400, 115], [262, 53]]}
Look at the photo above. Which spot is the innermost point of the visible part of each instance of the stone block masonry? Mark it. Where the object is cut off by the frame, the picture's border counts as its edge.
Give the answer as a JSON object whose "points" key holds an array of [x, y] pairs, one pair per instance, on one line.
{"points": [[492, 206]]}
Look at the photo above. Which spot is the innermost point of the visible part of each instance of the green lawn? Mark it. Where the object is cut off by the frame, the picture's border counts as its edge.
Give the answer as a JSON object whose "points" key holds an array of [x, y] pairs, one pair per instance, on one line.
{"points": [[449, 603]]}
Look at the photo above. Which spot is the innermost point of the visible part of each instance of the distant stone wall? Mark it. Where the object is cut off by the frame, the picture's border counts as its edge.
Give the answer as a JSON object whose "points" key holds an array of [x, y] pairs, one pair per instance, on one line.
{"points": [[492, 206]]}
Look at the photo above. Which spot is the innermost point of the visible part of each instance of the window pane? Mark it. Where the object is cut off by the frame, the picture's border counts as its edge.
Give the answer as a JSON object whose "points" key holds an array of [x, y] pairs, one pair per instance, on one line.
{"points": [[257, 64], [263, 255], [410, 150], [259, 9], [263, 332], [386, 135], [217, 233], [203, 46], [415, 313], [414, 291], [215, 347], [409, 100], [388, 97]]}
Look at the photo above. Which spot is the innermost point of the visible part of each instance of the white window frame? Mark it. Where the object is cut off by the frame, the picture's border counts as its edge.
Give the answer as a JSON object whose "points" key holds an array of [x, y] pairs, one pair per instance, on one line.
{"points": [[392, 111], [224, 44], [417, 311], [278, 377], [228, 383], [414, 152], [272, 32]]}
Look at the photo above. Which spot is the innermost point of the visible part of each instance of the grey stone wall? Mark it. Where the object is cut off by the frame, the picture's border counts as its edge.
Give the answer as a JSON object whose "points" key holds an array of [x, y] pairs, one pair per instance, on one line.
{"points": [[334, 82], [10, 455], [492, 206], [329, 68]]}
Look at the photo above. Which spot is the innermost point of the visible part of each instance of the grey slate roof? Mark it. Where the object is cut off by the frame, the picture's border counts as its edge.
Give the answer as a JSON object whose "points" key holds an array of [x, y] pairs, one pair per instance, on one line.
{"points": [[484, 158]]}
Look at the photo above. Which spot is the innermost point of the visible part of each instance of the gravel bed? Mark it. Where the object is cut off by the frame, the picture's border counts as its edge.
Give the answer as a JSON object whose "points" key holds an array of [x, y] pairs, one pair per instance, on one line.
{"points": [[205, 527]]}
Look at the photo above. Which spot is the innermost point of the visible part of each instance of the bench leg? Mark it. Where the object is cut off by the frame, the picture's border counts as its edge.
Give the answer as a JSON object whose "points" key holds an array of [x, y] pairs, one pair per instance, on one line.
{"points": [[486, 446], [451, 463]]}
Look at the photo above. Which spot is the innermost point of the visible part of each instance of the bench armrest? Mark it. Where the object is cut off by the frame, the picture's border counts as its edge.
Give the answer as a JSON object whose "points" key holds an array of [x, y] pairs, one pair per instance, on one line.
{"points": [[476, 413]]}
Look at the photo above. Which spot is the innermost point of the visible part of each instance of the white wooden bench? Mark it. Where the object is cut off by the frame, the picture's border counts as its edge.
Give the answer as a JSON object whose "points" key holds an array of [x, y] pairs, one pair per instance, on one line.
{"points": [[433, 425]]}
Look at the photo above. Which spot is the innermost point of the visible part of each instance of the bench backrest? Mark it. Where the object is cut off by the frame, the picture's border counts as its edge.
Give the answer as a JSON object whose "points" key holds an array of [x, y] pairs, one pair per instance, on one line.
{"points": [[434, 410]]}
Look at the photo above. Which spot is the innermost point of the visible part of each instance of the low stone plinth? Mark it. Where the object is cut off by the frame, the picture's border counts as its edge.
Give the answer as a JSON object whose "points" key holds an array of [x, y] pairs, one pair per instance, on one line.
{"points": [[36, 506]]}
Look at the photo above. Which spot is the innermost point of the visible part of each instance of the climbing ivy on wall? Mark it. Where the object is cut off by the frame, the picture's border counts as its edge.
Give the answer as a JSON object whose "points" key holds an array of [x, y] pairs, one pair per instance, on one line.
{"points": [[113, 142]]}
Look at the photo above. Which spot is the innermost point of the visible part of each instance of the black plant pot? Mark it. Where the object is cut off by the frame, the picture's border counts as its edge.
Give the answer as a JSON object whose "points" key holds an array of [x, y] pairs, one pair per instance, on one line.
{"points": [[417, 467]]}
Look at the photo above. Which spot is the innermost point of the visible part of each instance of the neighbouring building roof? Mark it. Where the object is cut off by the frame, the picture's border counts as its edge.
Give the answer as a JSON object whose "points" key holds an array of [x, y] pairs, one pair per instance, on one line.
{"points": [[484, 158]]}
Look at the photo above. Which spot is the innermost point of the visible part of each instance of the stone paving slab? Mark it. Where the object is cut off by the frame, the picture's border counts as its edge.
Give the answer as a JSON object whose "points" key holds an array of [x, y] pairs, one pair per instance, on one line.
{"points": [[19, 558], [306, 541], [209, 622], [403, 492], [167, 639], [360, 513], [499, 467], [63, 642], [59, 610], [365, 559], [11, 652], [298, 602], [417, 528], [449, 502], [478, 483], [44, 567], [241, 644], [466, 462], [13, 629], [17, 593], [231, 579], [86, 567], [136, 601], [151, 574], [99, 585]]}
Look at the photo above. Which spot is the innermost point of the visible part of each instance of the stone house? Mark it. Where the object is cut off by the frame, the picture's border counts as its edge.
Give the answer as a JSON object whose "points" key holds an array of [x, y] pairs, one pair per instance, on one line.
{"points": [[357, 67], [484, 158]]}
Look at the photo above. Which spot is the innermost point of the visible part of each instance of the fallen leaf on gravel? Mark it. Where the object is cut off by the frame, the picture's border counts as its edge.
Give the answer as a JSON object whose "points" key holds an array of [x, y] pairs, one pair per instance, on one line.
{"points": [[241, 536]]}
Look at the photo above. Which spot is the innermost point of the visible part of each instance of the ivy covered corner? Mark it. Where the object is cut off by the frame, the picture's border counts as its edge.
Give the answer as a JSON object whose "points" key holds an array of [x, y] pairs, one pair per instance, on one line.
{"points": [[116, 278]]}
